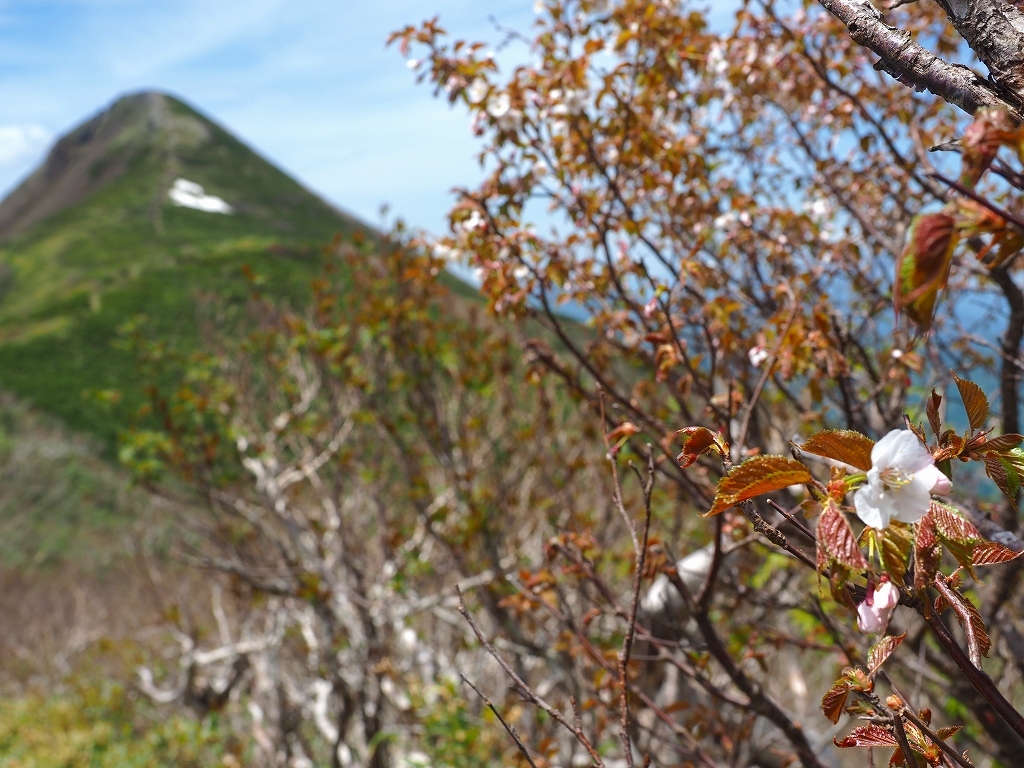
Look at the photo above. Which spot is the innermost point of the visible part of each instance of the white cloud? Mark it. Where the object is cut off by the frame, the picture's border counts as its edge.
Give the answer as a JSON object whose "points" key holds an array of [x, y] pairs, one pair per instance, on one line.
{"points": [[20, 143]]}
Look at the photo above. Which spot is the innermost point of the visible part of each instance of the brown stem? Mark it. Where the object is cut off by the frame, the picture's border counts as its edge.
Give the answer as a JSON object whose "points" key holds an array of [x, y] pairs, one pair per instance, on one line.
{"points": [[759, 701]]}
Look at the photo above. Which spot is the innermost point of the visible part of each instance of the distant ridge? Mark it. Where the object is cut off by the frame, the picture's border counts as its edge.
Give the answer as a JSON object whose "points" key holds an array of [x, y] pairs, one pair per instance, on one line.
{"points": [[91, 155], [101, 150], [97, 236]]}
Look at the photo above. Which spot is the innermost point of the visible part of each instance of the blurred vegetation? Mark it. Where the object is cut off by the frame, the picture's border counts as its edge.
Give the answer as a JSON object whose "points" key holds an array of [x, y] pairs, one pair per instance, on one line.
{"points": [[104, 725]]}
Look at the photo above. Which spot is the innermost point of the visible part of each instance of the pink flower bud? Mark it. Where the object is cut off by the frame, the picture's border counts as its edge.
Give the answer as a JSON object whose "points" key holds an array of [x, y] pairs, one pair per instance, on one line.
{"points": [[874, 613], [943, 486]]}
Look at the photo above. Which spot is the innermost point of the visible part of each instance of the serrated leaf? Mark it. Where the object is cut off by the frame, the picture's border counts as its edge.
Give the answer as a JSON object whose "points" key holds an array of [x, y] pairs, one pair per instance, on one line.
{"points": [[968, 617], [882, 651], [1003, 443], [992, 553], [843, 445], [951, 445], [950, 730], [834, 700], [697, 441], [837, 541], [1004, 475], [923, 267], [932, 410], [926, 553], [975, 401], [756, 476], [959, 536], [897, 544], [868, 736]]}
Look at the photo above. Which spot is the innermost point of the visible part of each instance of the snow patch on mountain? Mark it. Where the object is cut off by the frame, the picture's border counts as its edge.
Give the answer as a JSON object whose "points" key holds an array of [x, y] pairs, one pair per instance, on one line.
{"points": [[188, 194]]}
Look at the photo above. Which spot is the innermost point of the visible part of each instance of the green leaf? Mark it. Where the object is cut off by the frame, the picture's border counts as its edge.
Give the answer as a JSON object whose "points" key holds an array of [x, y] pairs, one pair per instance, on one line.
{"points": [[755, 477], [843, 445], [897, 544]]}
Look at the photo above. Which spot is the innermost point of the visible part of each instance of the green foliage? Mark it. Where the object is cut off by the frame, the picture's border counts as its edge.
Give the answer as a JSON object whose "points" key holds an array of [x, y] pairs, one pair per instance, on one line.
{"points": [[74, 278], [454, 733], [105, 726]]}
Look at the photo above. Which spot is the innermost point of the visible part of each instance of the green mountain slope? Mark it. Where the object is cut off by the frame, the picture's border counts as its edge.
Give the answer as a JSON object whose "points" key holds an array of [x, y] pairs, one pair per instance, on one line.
{"points": [[92, 239]]}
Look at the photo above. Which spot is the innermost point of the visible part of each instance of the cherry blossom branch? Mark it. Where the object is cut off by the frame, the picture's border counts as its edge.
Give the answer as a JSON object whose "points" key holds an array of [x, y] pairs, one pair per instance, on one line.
{"points": [[994, 30], [911, 64]]}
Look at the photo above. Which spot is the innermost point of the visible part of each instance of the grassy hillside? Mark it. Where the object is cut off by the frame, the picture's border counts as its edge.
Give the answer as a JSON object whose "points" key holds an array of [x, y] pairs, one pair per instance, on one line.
{"points": [[115, 247]]}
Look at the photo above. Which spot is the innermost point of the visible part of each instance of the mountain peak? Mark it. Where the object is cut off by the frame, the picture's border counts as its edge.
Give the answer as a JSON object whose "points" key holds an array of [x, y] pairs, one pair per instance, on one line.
{"points": [[99, 151]]}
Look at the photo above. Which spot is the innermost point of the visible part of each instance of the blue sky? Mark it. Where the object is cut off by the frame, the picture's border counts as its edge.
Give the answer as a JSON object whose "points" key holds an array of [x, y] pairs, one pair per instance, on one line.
{"points": [[308, 83]]}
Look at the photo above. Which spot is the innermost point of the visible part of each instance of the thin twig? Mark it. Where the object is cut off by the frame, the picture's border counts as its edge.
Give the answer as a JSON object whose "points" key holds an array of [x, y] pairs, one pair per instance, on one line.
{"points": [[908, 713], [793, 519], [511, 729], [639, 557], [769, 364], [525, 690], [980, 200]]}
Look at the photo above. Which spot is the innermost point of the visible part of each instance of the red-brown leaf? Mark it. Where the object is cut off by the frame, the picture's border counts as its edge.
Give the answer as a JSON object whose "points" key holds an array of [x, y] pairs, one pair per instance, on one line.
{"points": [[969, 618], [697, 441], [843, 445], [975, 401], [878, 655], [897, 543], [756, 476], [932, 409], [1003, 443], [959, 536], [991, 553], [868, 736], [837, 539], [951, 526], [834, 700], [923, 267], [926, 552]]}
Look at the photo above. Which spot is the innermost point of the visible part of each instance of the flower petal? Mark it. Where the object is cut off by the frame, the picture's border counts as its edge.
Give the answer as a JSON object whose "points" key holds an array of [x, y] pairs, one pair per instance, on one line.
{"points": [[884, 450], [933, 479], [886, 596], [871, 507], [911, 501], [871, 618], [909, 453]]}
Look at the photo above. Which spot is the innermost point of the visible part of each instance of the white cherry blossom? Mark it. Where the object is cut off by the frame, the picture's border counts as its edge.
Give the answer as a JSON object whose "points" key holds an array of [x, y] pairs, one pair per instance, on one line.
{"points": [[900, 482]]}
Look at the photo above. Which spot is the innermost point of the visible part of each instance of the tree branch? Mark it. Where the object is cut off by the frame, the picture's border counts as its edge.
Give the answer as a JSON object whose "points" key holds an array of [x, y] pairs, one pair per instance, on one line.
{"points": [[913, 65], [995, 32]]}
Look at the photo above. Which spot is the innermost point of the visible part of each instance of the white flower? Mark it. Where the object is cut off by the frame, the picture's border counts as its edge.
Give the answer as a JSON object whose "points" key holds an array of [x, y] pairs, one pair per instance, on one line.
{"points": [[901, 480], [472, 222], [757, 356], [498, 105], [874, 613], [477, 90]]}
